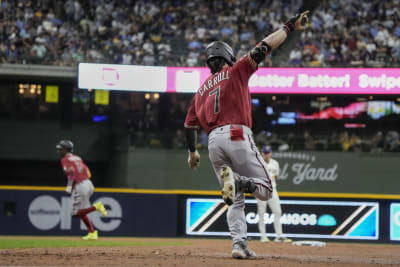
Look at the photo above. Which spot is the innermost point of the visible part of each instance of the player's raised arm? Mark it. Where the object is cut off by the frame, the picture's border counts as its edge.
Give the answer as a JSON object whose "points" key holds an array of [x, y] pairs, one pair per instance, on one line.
{"points": [[276, 38]]}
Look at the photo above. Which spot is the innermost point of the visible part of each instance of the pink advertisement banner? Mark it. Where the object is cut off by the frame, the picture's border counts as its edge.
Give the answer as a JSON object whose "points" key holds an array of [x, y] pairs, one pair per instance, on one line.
{"points": [[263, 81], [298, 80]]}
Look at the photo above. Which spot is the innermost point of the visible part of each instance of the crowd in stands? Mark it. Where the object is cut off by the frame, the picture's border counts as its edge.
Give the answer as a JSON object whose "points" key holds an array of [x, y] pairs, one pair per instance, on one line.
{"points": [[160, 32], [342, 33], [348, 33], [146, 119], [343, 142], [351, 33]]}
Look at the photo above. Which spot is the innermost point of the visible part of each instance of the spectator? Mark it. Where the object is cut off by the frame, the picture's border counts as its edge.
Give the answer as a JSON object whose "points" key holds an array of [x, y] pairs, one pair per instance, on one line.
{"points": [[295, 57], [392, 142], [309, 143], [162, 33], [377, 142], [345, 141], [382, 36], [179, 140]]}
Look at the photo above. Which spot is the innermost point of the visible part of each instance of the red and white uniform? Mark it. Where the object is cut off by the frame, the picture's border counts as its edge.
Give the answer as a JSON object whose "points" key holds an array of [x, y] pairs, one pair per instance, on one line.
{"points": [[78, 173], [222, 107], [224, 98], [75, 169]]}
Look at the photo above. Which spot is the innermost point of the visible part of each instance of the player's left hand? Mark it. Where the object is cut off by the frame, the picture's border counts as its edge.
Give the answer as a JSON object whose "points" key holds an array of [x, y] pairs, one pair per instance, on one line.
{"points": [[194, 160], [301, 21], [297, 22]]}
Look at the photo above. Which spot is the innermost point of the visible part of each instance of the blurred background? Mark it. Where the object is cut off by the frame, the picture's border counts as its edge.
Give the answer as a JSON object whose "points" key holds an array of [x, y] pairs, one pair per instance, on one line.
{"points": [[134, 139]]}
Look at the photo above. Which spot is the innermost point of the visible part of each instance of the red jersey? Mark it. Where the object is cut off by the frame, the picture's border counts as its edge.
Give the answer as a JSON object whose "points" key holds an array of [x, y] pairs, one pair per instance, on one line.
{"points": [[224, 98], [75, 168]]}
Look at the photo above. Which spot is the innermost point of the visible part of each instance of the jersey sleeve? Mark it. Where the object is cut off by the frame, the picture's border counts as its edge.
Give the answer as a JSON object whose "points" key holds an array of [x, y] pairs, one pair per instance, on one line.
{"points": [[245, 67], [191, 120], [67, 168]]}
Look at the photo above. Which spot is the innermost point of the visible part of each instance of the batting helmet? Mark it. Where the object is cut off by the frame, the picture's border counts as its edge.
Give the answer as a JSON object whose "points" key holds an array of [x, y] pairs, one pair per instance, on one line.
{"points": [[65, 144], [220, 49]]}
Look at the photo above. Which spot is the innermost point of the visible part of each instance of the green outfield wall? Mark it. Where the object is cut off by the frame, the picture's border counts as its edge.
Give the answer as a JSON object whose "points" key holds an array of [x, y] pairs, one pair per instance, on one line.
{"points": [[27, 157], [329, 172]]}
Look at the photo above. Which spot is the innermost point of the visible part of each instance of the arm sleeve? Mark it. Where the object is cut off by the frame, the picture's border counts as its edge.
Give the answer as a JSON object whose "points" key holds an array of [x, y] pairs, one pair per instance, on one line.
{"points": [[191, 139], [191, 120]]}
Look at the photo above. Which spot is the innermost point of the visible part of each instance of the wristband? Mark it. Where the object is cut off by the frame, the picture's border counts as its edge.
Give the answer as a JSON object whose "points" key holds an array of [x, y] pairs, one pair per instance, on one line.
{"points": [[288, 27]]}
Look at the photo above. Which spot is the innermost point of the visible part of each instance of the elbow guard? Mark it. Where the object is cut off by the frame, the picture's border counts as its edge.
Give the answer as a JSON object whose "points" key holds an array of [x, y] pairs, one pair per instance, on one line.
{"points": [[259, 52]]}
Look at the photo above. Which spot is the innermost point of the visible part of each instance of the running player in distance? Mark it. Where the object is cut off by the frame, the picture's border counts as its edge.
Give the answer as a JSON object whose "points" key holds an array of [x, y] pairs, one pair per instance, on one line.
{"points": [[222, 107], [273, 203], [79, 186]]}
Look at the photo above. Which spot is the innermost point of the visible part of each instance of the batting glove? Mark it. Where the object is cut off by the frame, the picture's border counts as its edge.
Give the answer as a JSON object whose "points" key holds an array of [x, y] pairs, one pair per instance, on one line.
{"points": [[297, 22], [194, 160]]}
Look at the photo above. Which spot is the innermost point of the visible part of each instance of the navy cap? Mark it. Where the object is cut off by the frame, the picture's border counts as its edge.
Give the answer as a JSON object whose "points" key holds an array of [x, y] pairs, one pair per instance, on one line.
{"points": [[266, 149]]}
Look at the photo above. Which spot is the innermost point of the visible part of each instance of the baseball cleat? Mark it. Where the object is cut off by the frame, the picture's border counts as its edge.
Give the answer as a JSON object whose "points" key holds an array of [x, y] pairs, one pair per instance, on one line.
{"points": [[100, 208], [242, 251], [91, 236], [282, 240], [228, 190], [238, 252], [251, 255], [264, 239]]}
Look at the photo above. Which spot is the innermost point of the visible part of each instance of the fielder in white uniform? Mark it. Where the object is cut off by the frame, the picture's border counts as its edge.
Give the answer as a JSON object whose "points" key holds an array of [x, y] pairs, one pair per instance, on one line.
{"points": [[273, 203]]}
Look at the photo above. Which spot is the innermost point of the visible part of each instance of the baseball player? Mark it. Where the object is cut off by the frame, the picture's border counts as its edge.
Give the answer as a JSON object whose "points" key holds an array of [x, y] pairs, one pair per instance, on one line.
{"points": [[273, 203], [222, 107], [79, 186]]}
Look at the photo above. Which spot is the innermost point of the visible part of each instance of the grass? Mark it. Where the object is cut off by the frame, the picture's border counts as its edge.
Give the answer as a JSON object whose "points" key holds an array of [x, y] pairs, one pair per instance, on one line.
{"points": [[31, 242]]}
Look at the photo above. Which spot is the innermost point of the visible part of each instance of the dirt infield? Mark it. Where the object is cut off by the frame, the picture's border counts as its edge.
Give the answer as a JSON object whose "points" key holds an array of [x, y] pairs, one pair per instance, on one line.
{"points": [[203, 252]]}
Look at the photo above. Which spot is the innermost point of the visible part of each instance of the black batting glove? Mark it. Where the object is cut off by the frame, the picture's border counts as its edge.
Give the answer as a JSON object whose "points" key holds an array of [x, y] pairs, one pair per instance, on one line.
{"points": [[297, 22]]}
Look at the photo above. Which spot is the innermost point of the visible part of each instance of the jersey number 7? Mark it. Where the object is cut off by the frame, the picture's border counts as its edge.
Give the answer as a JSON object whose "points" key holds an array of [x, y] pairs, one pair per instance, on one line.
{"points": [[216, 92]]}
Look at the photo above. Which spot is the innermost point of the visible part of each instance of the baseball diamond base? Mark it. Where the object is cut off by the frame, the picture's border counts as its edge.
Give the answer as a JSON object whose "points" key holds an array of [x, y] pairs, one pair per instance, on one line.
{"points": [[198, 252]]}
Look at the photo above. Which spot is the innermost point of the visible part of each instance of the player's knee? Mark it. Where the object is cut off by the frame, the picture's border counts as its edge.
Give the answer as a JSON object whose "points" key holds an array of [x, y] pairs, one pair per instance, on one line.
{"points": [[268, 195], [264, 197]]}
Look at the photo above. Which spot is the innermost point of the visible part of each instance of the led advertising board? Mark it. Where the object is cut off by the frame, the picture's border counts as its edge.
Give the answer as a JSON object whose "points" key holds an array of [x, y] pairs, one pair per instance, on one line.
{"points": [[300, 219], [122, 77], [395, 221], [264, 80]]}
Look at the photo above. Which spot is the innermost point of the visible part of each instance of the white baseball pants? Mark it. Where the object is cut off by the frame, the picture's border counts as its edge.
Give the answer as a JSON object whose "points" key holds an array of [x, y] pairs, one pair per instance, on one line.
{"points": [[80, 196], [275, 206]]}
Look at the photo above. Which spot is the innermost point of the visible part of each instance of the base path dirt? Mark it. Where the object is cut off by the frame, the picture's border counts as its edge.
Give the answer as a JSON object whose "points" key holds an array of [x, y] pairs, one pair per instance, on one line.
{"points": [[204, 252]]}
